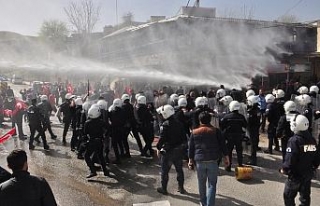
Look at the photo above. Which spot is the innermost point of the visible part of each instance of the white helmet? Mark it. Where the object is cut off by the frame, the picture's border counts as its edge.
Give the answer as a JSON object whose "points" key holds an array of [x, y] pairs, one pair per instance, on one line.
{"points": [[44, 97], [94, 112], [226, 100], [303, 99], [303, 90], [299, 123], [182, 97], [251, 100], [86, 106], [221, 93], [270, 98], [199, 102], [174, 97], [111, 108], [117, 102], [78, 101], [137, 95], [280, 93], [182, 102], [103, 104], [250, 92], [68, 96], [125, 97], [166, 111], [234, 106], [142, 100], [290, 106], [315, 89]]}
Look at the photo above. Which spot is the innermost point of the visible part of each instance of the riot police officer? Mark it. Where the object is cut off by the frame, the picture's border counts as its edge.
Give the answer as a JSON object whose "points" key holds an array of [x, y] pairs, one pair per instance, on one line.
{"points": [[200, 103], [280, 100], [131, 124], [145, 125], [46, 109], [233, 125], [272, 114], [103, 104], [170, 148], [283, 129], [301, 160], [35, 119], [94, 129], [253, 126], [68, 110], [117, 119], [76, 124]]}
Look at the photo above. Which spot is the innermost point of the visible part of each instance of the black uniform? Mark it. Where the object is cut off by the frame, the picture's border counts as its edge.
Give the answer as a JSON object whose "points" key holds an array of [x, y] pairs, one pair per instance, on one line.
{"points": [[36, 118], [253, 129], [280, 103], [46, 109], [301, 160], [284, 132], [25, 189], [273, 115], [68, 115], [81, 146], [95, 129], [145, 127], [171, 143], [76, 132], [117, 119], [231, 125], [184, 118], [131, 123]]}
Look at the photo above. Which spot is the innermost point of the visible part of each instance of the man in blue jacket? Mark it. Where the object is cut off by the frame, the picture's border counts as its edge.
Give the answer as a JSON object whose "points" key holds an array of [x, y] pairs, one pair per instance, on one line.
{"points": [[206, 147]]}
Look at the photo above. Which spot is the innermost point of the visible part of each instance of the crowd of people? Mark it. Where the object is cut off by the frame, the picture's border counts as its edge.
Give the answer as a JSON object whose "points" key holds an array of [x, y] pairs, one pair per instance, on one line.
{"points": [[201, 127]]}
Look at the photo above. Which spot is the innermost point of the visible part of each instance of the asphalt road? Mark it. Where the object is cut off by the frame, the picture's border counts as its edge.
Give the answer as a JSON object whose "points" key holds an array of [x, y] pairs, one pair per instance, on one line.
{"points": [[135, 180]]}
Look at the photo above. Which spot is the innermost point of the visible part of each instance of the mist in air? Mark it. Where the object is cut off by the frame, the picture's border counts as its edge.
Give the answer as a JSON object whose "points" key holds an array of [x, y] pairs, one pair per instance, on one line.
{"points": [[188, 51]]}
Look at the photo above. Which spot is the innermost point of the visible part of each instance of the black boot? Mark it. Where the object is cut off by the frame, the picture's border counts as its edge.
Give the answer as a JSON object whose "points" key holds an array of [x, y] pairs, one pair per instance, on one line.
{"points": [[162, 191]]}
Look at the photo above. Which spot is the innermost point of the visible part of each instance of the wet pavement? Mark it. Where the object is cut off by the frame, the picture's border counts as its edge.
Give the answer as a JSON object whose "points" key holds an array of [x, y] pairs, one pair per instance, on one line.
{"points": [[136, 179]]}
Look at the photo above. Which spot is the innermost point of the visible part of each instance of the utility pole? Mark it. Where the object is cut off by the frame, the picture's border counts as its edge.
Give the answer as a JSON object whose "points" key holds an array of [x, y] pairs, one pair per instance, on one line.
{"points": [[117, 13]]}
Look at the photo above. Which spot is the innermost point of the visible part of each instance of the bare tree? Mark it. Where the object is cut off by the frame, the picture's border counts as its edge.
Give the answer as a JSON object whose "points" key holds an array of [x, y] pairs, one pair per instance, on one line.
{"points": [[244, 13], [289, 18], [55, 33], [83, 15]]}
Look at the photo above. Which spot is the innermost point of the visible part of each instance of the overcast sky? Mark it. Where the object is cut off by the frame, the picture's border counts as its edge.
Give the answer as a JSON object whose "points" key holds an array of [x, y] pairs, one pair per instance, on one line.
{"points": [[26, 16]]}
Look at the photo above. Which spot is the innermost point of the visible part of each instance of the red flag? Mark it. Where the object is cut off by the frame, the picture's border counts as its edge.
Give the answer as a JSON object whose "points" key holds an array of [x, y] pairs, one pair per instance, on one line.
{"points": [[8, 135], [70, 89]]}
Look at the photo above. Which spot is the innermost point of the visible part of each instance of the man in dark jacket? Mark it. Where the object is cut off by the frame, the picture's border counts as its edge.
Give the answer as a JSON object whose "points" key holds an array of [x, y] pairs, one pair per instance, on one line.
{"points": [[206, 147], [170, 148], [36, 190]]}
